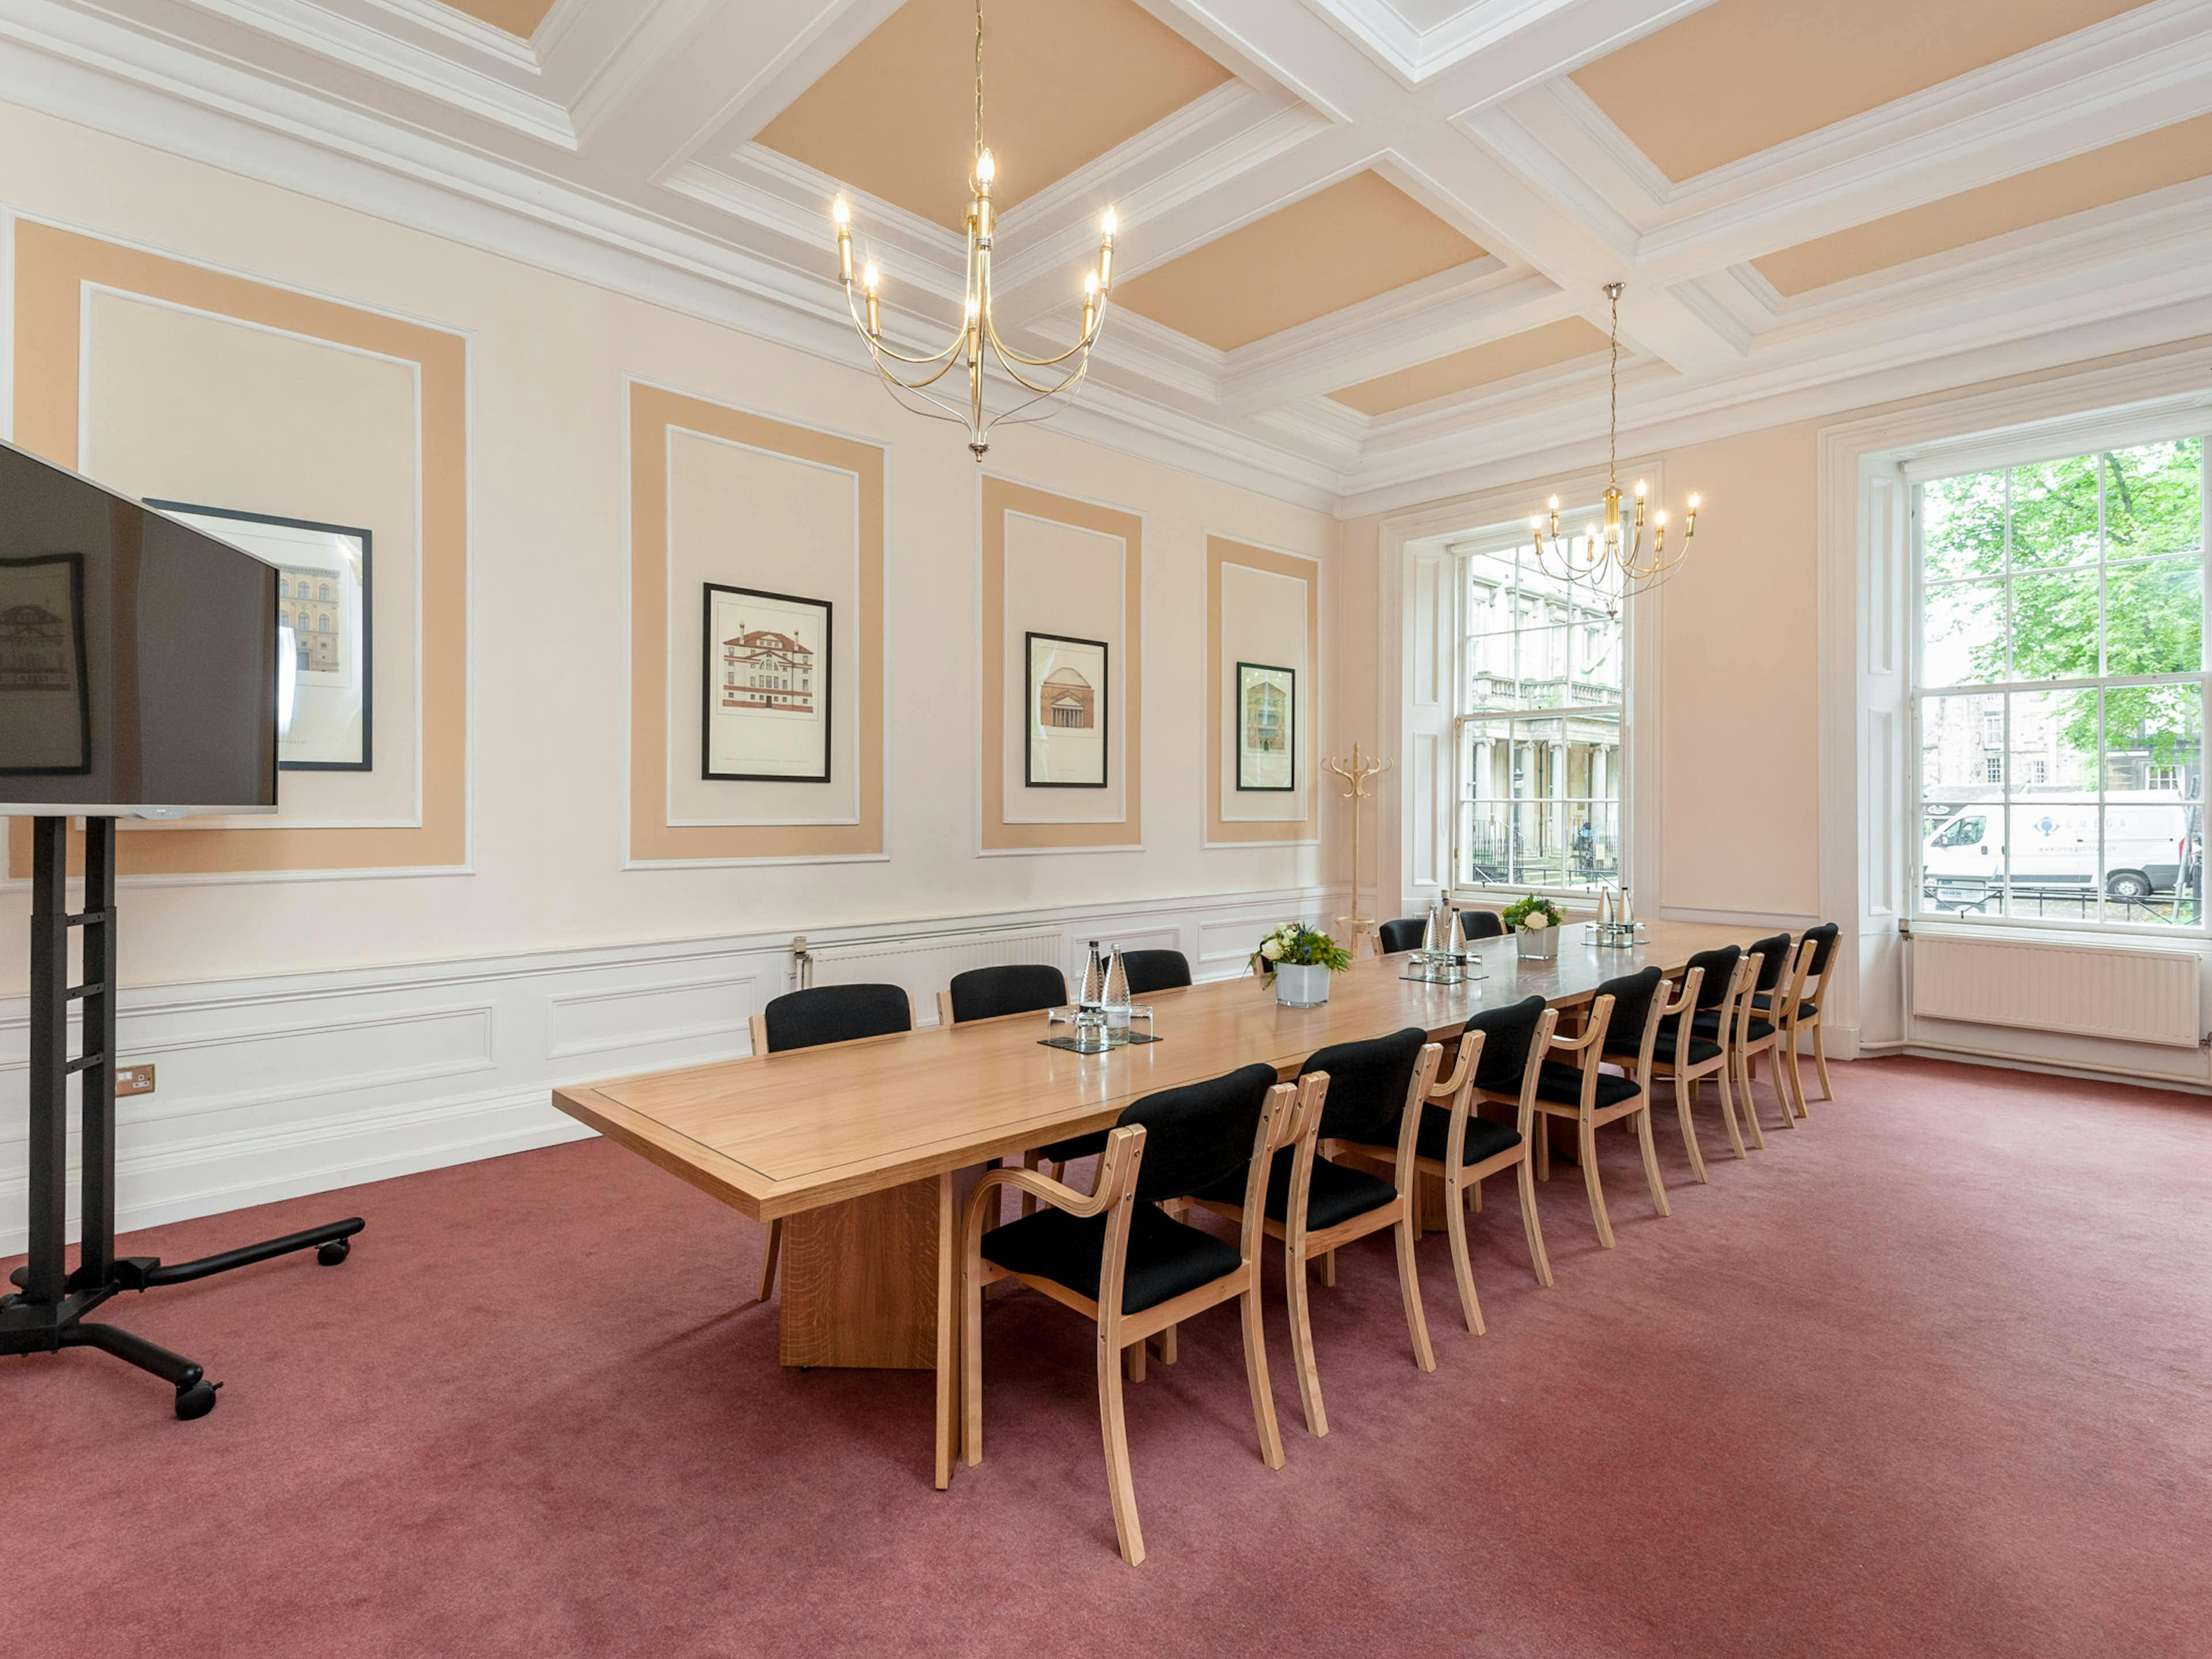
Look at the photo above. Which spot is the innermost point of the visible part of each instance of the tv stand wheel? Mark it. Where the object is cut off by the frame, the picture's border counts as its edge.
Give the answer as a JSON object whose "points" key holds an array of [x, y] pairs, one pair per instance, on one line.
{"points": [[334, 1252], [195, 1402]]}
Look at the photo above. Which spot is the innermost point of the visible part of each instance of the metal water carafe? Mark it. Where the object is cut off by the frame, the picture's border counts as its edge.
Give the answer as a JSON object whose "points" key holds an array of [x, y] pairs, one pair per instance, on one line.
{"points": [[1436, 936], [1606, 912]]}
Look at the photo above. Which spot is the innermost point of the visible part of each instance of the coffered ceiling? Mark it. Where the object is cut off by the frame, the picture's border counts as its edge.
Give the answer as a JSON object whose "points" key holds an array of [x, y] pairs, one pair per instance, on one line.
{"points": [[1363, 242]]}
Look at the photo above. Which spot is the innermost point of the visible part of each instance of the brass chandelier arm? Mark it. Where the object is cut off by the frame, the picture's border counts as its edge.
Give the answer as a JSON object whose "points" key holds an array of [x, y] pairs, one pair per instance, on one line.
{"points": [[948, 357], [1007, 353]]}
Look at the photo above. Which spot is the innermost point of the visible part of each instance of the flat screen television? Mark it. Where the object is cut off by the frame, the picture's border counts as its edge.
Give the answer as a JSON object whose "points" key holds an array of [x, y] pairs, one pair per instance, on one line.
{"points": [[139, 658]]}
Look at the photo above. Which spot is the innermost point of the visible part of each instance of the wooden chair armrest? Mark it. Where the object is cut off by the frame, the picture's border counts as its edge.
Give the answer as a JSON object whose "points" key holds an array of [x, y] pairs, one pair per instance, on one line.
{"points": [[1117, 1170], [1692, 982], [1470, 1051], [1576, 1045]]}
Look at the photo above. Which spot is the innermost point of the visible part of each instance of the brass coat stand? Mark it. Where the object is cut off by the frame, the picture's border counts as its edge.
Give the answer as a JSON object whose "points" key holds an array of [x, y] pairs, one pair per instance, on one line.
{"points": [[1356, 772]]}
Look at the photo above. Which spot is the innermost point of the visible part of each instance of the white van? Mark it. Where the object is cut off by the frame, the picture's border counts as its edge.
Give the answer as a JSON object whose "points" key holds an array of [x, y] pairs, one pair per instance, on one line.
{"points": [[2150, 846]]}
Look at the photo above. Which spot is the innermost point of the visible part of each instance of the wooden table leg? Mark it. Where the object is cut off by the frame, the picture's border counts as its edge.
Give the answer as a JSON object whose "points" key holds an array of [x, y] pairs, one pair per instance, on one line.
{"points": [[948, 1328]]}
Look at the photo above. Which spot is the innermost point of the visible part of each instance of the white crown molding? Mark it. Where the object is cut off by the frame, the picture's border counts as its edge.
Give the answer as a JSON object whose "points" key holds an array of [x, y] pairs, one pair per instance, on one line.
{"points": [[1413, 54]]}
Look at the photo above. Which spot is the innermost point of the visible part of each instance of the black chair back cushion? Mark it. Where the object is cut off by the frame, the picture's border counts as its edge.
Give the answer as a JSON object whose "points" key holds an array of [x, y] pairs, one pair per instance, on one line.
{"points": [[1720, 967], [1016, 988], [1506, 1034], [1198, 1134], [1773, 955], [836, 1013], [1632, 995], [1480, 925], [1155, 970], [1403, 935], [1367, 1086], [1824, 940]]}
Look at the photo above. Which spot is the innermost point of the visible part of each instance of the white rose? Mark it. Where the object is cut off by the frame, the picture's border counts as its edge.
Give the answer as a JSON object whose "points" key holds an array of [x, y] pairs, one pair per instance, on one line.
{"points": [[1273, 950], [1536, 922]]}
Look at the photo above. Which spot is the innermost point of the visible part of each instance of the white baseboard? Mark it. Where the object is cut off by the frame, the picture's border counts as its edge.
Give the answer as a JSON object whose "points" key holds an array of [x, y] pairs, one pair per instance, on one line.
{"points": [[288, 1086]]}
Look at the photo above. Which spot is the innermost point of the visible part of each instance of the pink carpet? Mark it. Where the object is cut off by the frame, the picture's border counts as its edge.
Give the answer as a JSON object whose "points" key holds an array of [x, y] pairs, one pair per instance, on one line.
{"points": [[1931, 1375]]}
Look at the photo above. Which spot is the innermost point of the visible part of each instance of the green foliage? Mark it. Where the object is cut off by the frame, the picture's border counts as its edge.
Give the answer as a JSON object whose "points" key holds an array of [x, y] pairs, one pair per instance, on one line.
{"points": [[1294, 944], [1516, 914], [2152, 612]]}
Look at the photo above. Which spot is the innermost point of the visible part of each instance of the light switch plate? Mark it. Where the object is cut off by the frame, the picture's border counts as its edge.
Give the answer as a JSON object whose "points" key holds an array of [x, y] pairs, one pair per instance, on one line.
{"points": [[134, 1079]]}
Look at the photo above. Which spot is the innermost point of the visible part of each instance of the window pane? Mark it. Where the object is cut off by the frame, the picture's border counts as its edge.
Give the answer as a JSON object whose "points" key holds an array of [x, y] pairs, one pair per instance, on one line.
{"points": [[2154, 499], [1962, 634], [1490, 682], [2054, 626], [2154, 617], [2052, 854], [1597, 659], [1961, 830], [2054, 513], [1962, 526], [1539, 785], [2153, 862], [1485, 816], [2052, 743]]}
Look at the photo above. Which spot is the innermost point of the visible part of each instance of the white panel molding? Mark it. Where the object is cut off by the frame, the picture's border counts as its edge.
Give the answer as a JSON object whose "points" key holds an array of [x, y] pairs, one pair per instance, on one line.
{"points": [[281, 1085]]}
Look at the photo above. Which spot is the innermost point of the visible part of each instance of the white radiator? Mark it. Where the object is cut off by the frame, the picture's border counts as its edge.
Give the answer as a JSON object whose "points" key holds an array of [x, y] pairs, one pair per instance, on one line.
{"points": [[2129, 996], [923, 962]]}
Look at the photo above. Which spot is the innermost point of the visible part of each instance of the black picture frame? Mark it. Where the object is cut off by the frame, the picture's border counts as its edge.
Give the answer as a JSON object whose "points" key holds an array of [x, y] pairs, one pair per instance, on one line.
{"points": [[709, 678], [75, 564], [1290, 744], [1029, 780], [368, 761]]}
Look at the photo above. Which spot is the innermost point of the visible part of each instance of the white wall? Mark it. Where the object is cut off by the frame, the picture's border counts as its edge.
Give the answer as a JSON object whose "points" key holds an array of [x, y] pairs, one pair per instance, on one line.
{"points": [[310, 1031]]}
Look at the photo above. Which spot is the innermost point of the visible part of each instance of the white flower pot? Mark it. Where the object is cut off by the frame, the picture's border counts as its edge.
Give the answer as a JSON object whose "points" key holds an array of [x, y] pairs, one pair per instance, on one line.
{"points": [[1540, 945], [1301, 987]]}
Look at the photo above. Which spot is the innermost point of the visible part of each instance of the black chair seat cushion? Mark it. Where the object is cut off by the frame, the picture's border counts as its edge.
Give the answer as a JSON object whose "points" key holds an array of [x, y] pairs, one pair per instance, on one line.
{"points": [[1066, 1151], [1708, 1025], [836, 1013], [1155, 970], [1404, 935], [1702, 1047], [1338, 1194], [1166, 1257], [1485, 1137], [1764, 1004], [1563, 1084]]}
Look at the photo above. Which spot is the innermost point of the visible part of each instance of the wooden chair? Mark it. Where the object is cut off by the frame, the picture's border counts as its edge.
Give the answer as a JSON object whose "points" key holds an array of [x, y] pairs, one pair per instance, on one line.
{"points": [[1799, 1012], [1593, 1098], [1501, 1060], [1116, 1258], [1475, 925], [1751, 1035], [1714, 982], [1376, 1091], [1021, 988], [1155, 970], [1401, 935], [813, 1018]]}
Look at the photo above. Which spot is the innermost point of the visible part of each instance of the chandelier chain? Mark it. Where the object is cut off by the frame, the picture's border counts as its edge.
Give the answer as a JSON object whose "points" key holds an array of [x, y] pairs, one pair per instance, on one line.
{"points": [[1613, 404], [979, 77]]}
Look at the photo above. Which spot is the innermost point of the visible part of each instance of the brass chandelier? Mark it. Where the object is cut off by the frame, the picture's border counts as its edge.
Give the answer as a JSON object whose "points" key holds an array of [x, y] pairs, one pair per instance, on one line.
{"points": [[978, 331], [1610, 555]]}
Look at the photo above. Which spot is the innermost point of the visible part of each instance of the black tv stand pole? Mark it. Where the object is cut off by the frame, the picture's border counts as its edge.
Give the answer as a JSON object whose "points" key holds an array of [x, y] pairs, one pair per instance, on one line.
{"points": [[48, 1314]]}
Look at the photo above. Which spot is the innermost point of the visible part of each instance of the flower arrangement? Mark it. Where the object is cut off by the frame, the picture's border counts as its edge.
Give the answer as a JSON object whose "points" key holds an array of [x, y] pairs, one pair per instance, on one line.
{"points": [[1534, 914], [1294, 944]]}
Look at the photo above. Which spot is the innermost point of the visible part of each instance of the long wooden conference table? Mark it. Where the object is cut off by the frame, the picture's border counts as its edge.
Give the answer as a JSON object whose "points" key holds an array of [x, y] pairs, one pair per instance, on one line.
{"points": [[865, 1151]]}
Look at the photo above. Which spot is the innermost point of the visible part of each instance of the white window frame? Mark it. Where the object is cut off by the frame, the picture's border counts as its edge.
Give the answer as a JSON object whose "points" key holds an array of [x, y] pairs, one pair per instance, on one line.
{"points": [[1490, 541], [2064, 442]]}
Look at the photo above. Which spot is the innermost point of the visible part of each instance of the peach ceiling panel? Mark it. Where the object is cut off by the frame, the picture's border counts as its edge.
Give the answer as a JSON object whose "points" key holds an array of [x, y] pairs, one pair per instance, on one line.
{"points": [[2134, 166], [1361, 237], [1740, 76], [517, 17], [1462, 371], [1063, 84]]}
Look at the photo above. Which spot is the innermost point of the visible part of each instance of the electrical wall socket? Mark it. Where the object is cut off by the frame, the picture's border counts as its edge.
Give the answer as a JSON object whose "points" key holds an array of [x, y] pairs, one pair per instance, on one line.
{"points": [[134, 1079]]}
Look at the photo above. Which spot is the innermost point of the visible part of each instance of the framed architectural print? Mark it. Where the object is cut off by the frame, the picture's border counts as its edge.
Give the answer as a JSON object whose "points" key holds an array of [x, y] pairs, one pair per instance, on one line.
{"points": [[327, 708], [767, 675], [1067, 713], [46, 708], [1266, 727]]}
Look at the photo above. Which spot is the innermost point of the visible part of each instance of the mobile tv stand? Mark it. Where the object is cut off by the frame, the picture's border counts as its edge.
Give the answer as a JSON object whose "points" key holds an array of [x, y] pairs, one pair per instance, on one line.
{"points": [[48, 1314]]}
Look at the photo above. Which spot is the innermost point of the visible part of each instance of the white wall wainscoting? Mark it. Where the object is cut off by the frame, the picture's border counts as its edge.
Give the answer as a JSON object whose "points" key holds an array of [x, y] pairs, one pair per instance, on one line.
{"points": [[279, 1087]]}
